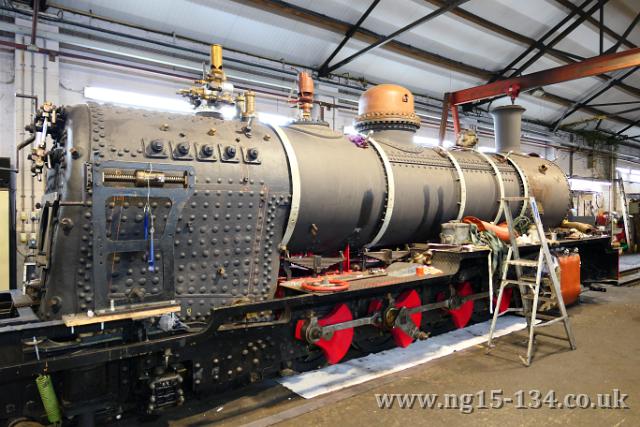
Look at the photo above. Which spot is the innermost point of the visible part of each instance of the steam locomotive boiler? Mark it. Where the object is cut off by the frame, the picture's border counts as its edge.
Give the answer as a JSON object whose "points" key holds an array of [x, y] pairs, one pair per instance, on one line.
{"points": [[180, 254], [224, 206]]}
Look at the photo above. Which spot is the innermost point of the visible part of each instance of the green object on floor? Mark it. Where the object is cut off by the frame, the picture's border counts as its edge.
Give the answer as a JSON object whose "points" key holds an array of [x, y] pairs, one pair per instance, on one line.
{"points": [[49, 399]]}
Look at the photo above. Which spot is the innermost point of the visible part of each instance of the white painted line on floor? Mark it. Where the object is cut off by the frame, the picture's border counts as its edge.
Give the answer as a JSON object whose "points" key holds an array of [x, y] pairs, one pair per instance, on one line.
{"points": [[356, 371]]}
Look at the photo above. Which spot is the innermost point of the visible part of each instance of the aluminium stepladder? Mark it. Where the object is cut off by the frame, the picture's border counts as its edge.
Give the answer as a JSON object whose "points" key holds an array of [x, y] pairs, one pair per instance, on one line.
{"points": [[625, 208], [529, 286]]}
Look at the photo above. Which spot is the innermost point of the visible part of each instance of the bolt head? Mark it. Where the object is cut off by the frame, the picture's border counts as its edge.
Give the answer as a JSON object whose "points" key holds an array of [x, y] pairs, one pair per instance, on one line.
{"points": [[207, 150], [157, 145]]}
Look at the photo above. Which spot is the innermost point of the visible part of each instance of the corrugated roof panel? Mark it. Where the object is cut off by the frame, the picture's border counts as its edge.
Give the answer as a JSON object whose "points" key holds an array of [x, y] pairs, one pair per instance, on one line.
{"points": [[529, 18]]}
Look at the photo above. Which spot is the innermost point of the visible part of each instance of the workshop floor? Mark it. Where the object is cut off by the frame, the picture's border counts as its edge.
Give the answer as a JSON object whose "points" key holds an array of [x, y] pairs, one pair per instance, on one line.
{"points": [[607, 330]]}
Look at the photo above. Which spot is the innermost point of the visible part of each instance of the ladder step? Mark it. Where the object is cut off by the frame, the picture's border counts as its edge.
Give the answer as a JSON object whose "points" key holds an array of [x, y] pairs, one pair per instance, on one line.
{"points": [[507, 282], [515, 199], [546, 316], [540, 298], [558, 337], [549, 322], [523, 262]]}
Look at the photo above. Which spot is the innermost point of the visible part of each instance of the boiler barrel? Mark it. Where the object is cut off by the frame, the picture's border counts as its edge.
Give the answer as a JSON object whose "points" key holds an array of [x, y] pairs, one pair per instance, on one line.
{"points": [[388, 193]]}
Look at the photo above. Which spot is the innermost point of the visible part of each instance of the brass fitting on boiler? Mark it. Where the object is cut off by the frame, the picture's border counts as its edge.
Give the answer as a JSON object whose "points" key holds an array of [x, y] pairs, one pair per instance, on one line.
{"points": [[143, 178], [249, 105], [212, 90], [305, 95], [216, 73], [240, 105]]}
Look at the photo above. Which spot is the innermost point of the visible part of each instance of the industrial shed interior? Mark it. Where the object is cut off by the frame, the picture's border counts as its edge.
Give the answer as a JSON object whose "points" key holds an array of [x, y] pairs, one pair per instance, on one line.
{"points": [[259, 212]]}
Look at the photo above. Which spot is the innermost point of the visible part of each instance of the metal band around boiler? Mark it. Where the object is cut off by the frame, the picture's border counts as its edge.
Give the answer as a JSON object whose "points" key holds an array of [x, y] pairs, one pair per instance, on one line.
{"points": [[498, 175], [294, 172], [463, 185], [525, 185], [391, 192]]}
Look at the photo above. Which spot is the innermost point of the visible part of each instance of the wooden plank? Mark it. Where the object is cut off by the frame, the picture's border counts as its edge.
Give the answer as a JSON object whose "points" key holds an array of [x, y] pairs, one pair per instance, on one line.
{"points": [[83, 319]]}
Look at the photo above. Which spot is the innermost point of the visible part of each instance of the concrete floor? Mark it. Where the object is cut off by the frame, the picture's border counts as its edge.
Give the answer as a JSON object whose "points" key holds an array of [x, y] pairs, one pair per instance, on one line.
{"points": [[607, 330]]}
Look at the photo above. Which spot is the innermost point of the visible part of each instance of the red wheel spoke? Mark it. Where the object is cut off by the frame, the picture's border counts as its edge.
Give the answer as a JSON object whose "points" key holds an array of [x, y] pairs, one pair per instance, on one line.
{"points": [[461, 315], [336, 347], [506, 300], [407, 299]]}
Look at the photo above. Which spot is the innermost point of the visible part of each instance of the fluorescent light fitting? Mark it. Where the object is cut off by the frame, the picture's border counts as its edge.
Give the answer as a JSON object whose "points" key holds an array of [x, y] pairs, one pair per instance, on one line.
{"points": [[228, 112], [623, 170], [349, 130], [588, 184], [273, 119], [431, 142], [139, 100], [487, 149]]}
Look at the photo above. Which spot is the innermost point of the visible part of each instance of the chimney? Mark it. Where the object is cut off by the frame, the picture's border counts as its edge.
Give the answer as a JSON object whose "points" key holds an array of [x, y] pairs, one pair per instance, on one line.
{"points": [[507, 124]]}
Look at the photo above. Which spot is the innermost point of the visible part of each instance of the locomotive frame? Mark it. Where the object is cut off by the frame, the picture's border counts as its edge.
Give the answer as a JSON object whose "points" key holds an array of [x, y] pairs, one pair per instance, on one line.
{"points": [[119, 365]]}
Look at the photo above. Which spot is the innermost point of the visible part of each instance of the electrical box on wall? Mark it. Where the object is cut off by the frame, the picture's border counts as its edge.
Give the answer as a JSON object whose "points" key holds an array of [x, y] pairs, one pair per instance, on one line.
{"points": [[600, 165], [6, 210]]}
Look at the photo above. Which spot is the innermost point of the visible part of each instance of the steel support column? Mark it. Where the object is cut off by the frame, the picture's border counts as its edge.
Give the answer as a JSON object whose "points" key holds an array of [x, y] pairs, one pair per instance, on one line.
{"points": [[601, 28], [540, 44], [586, 101], [575, 24], [386, 39], [560, 55], [34, 22], [624, 36], [572, 7], [324, 68], [629, 126], [611, 104]]}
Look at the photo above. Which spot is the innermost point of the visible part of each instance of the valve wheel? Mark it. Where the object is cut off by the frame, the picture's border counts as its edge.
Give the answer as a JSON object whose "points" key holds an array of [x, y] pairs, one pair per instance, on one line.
{"points": [[326, 286]]}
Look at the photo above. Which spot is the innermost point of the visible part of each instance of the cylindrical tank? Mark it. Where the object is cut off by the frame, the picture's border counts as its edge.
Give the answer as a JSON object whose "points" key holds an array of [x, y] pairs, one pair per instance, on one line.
{"points": [[507, 123], [570, 277]]}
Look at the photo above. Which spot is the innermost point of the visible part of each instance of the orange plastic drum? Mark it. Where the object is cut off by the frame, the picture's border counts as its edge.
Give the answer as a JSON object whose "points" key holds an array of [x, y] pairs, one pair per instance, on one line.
{"points": [[569, 277], [502, 231]]}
